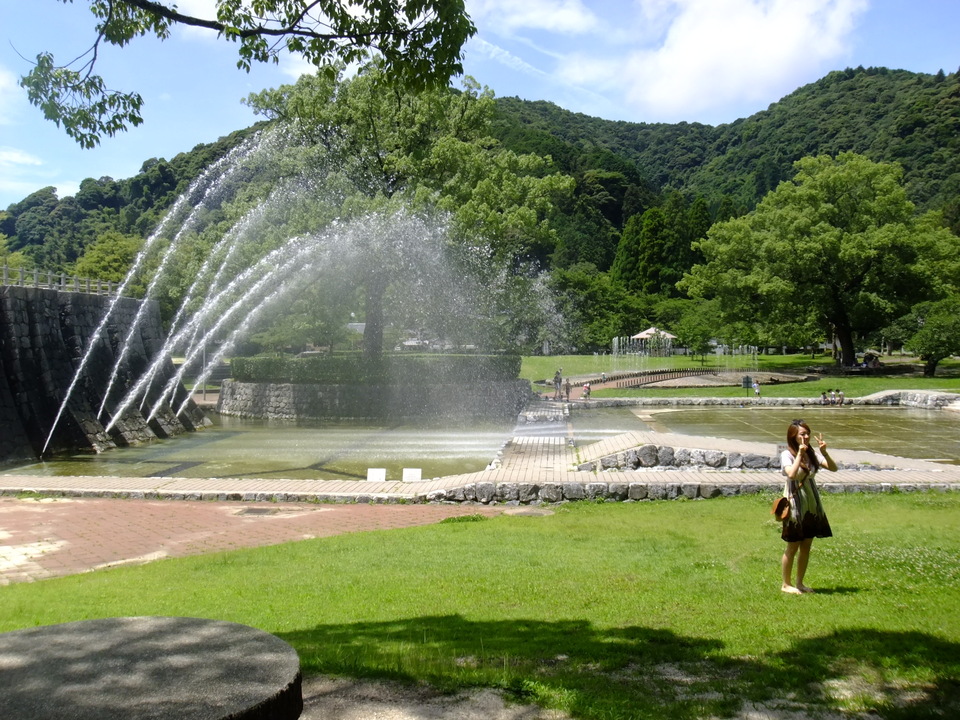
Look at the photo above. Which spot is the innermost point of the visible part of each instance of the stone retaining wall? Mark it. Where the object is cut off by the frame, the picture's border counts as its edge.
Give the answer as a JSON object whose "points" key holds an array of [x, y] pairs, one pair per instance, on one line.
{"points": [[285, 401], [666, 458], [43, 336], [629, 490], [550, 493], [900, 398]]}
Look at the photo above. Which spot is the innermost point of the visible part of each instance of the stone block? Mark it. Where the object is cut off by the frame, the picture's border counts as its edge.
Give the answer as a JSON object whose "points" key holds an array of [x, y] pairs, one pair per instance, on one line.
{"points": [[610, 461], [647, 455], [714, 458], [672, 490], [657, 491], [486, 491], [709, 490], [617, 491], [754, 461], [573, 491], [734, 460], [551, 492], [630, 458], [470, 492], [507, 492], [665, 455], [690, 490], [527, 492], [637, 491], [682, 456], [586, 467], [596, 491], [748, 488]]}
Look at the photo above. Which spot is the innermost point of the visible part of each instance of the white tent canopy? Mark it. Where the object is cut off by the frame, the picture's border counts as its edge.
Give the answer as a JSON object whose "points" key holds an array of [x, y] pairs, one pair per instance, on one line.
{"points": [[650, 332]]}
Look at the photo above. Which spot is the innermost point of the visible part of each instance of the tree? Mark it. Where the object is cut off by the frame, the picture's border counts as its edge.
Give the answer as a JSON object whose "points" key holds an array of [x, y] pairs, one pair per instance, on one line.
{"points": [[426, 150], [109, 258], [420, 43], [932, 331], [840, 243]]}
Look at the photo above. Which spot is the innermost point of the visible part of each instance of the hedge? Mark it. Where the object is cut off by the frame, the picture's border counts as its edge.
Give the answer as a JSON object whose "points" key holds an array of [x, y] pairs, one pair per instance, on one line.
{"points": [[394, 369]]}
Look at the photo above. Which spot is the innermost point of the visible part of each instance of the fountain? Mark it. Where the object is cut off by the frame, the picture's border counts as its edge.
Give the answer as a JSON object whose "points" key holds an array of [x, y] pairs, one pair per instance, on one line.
{"points": [[311, 229]]}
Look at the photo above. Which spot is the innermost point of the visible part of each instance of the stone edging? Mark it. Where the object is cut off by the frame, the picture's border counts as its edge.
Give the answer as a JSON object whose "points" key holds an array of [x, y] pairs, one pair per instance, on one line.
{"points": [[521, 493]]}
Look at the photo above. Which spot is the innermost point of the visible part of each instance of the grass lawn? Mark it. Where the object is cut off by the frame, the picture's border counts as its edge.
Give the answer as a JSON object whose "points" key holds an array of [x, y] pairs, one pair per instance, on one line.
{"points": [[634, 610], [539, 368]]}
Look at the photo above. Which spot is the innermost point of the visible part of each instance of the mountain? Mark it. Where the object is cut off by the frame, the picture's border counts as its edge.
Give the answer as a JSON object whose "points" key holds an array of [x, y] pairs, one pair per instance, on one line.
{"points": [[885, 115], [622, 168]]}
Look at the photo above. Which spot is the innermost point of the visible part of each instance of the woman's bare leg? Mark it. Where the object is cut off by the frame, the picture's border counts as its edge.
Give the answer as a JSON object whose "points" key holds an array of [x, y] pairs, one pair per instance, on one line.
{"points": [[803, 557], [786, 564]]}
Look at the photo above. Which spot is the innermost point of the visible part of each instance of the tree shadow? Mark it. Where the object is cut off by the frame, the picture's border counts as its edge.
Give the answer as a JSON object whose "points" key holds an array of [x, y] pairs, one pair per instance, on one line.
{"points": [[641, 672]]}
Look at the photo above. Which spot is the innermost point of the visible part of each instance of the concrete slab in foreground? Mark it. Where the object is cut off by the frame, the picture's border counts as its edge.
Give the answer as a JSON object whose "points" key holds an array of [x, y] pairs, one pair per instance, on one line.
{"points": [[150, 668]]}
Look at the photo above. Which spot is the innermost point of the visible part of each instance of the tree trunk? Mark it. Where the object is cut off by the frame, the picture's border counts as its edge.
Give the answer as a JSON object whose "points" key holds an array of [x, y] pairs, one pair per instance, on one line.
{"points": [[930, 367], [373, 327], [848, 355]]}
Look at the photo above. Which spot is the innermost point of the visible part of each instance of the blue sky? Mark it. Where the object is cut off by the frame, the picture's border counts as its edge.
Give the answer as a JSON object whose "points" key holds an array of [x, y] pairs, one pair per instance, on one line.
{"points": [[709, 61]]}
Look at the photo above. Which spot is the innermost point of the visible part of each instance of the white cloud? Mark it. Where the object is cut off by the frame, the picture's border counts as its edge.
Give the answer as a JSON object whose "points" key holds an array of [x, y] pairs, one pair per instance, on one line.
{"points": [[11, 96], [713, 53], [569, 17], [504, 57], [13, 157], [203, 9]]}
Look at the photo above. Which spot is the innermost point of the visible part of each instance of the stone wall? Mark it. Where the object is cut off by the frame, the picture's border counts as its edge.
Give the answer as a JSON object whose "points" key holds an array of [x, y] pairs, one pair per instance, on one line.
{"points": [[665, 458], [275, 401], [44, 334]]}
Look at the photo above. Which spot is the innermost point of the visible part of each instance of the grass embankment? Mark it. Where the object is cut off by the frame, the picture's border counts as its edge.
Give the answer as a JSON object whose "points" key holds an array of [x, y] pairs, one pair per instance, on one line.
{"points": [[644, 610], [540, 368]]}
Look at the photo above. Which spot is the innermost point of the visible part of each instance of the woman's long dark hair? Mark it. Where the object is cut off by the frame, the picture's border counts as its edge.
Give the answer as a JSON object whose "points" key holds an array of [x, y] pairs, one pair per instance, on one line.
{"points": [[811, 457]]}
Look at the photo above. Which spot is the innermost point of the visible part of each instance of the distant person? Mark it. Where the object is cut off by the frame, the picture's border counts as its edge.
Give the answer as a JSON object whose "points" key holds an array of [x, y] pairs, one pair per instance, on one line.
{"points": [[567, 387], [833, 397], [557, 381], [824, 400], [586, 391], [840, 398], [806, 520], [756, 389]]}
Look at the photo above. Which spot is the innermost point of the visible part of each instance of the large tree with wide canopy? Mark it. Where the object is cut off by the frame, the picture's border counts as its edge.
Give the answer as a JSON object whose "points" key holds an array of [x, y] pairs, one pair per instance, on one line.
{"points": [[839, 245]]}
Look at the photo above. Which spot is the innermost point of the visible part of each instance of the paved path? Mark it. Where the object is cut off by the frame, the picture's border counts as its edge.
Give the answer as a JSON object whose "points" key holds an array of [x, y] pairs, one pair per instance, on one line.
{"points": [[75, 524]]}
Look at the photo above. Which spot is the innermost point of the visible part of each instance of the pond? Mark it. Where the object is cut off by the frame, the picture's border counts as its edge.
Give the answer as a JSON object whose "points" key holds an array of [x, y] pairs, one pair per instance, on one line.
{"points": [[344, 451], [335, 451], [907, 432]]}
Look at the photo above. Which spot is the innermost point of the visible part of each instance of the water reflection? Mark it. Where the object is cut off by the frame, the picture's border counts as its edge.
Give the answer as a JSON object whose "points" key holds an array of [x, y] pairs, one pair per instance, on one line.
{"points": [[344, 451], [907, 432], [331, 451]]}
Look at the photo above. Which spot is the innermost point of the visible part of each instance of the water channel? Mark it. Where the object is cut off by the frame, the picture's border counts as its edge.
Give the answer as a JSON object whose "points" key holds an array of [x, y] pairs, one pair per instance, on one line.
{"points": [[344, 451]]}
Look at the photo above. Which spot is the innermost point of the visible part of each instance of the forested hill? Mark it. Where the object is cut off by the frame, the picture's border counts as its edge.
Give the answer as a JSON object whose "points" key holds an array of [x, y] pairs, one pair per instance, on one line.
{"points": [[886, 115], [621, 168]]}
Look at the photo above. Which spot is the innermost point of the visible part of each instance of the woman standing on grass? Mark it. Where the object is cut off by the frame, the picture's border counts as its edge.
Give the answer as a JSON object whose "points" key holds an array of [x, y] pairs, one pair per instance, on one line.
{"points": [[807, 519]]}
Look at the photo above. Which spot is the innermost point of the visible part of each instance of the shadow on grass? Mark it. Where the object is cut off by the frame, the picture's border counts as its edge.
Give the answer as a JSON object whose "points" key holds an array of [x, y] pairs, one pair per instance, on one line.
{"points": [[640, 672]]}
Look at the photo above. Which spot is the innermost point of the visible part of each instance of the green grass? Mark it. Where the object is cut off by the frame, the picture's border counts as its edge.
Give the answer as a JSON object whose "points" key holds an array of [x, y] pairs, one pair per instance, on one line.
{"points": [[536, 368], [852, 387], [643, 610]]}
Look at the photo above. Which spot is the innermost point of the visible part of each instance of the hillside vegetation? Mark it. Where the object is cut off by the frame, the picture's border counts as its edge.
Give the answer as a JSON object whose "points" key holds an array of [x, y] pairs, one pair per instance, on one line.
{"points": [[614, 212]]}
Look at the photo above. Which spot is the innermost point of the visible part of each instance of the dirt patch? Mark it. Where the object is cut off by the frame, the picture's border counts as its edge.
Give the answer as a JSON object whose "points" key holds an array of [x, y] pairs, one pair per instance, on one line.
{"points": [[329, 698]]}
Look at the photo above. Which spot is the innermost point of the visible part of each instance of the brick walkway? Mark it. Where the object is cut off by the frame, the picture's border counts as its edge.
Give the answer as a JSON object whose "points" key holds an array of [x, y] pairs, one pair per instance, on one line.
{"points": [[42, 538]]}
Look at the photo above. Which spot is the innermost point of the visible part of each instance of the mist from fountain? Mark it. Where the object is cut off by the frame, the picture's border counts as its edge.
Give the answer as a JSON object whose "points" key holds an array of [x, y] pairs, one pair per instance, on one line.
{"points": [[307, 231], [211, 178]]}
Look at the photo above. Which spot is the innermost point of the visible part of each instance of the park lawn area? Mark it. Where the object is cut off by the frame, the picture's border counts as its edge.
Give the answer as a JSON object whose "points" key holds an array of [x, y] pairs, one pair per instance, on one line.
{"points": [[852, 387], [606, 610]]}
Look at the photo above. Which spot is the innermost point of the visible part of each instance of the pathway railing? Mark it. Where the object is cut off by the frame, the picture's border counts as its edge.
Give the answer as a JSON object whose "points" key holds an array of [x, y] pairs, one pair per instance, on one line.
{"points": [[21, 277], [646, 377]]}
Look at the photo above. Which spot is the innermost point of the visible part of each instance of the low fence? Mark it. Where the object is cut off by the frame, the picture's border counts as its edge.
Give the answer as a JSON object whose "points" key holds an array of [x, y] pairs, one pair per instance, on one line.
{"points": [[647, 377], [49, 280]]}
